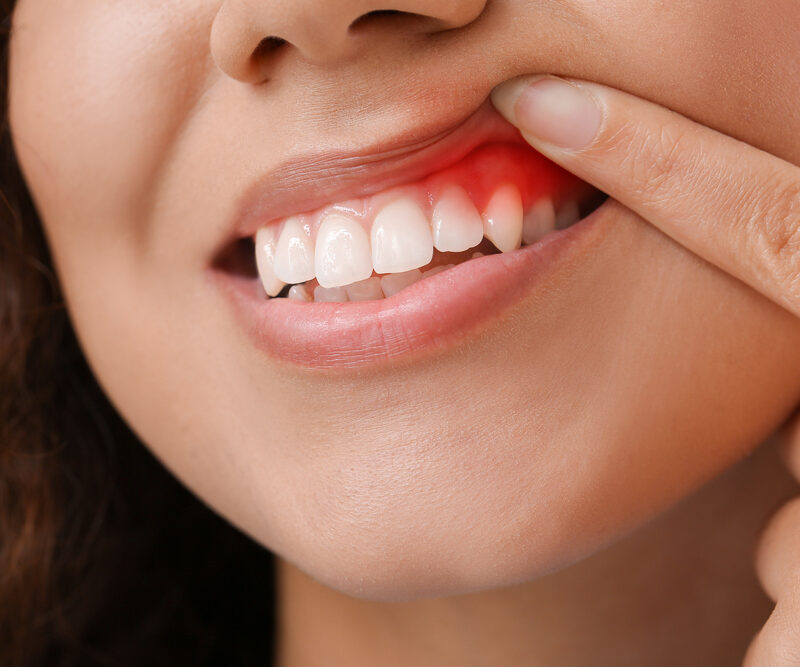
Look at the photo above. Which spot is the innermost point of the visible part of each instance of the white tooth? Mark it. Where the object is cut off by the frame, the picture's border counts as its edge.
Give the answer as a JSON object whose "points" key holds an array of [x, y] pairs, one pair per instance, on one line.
{"points": [[294, 256], [330, 294], [436, 269], [401, 238], [475, 255], [568, 214], [343, 254], [299, 293], [265, 261], [394, 282], [502, 219], [539, 221], [365, 290], [457, 225]]}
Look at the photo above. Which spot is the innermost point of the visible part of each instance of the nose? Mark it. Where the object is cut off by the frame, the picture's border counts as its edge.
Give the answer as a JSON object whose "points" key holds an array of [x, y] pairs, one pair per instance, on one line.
{"points": [[246, 34]]}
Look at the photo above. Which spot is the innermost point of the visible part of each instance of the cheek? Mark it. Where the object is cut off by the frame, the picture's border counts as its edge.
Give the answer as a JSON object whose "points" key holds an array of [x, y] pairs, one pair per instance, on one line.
{"points": [[721, 63], [98, 92]]}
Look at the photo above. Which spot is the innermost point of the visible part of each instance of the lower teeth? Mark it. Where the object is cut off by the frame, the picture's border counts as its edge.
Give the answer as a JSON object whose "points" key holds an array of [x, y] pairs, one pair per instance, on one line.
{"points": [[372, 289]]}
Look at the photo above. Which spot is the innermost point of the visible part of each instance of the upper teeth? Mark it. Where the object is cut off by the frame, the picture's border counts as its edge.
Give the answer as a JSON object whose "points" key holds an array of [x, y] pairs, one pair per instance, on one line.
{"points": [[539, 221], [401, 238], [343, 252], [457, 225], [502, 219], [294, 256]]}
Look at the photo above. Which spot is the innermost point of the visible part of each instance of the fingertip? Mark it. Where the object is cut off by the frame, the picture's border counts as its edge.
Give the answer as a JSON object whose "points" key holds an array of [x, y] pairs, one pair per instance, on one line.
{"points": [[777, 554], [505, 96], [558, 113]]}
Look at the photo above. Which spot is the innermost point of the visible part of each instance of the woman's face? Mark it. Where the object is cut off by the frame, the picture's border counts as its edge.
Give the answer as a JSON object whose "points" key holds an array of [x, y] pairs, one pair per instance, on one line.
{"points": [[627, 372]]}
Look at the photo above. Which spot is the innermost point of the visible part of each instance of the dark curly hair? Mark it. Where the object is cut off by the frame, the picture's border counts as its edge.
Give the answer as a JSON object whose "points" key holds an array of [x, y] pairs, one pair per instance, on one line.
{"points": [[104, 558]]}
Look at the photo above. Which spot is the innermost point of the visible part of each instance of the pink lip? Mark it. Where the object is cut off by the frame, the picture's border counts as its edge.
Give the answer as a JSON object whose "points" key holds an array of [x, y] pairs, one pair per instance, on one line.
{"points": [[433, 314], [310, 182]]}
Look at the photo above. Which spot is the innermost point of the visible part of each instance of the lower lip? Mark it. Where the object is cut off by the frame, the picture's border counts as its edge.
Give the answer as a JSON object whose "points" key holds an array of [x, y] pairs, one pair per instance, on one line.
{"points": [[429, 317]]}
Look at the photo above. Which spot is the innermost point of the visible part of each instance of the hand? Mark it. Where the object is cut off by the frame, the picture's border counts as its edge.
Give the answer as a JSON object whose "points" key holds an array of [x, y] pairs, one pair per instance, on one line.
{"points": [[778, 569], [734, 205]]}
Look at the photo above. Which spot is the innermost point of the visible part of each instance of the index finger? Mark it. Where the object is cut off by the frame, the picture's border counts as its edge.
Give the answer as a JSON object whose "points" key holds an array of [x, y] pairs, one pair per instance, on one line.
{"points": [[734, 205]]}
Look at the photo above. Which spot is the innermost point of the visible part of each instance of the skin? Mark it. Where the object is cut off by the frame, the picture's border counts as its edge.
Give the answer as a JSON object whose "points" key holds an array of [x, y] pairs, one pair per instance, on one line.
{"points": [[777, 566], [640, 375]]}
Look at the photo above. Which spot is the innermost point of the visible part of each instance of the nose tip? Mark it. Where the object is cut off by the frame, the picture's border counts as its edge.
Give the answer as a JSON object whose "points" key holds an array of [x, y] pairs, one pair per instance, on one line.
{"points": [[248, 35]]}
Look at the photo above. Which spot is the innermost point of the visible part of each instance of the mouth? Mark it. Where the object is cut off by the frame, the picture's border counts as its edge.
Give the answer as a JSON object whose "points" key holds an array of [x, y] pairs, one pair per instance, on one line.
{"points": [[390, 271]]}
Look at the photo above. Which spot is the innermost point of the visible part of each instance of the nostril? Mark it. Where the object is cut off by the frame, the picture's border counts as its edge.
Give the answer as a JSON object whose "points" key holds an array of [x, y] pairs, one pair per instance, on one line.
{"points": [[267, 46], [369, 17]]}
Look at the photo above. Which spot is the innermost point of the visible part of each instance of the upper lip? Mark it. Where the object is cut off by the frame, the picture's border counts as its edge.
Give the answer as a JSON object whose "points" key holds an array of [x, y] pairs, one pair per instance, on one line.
{"points": [[308, 182]]}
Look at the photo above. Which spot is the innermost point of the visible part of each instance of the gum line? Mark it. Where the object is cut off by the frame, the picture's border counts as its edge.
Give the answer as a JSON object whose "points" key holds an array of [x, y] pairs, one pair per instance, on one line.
{"points": [[479, 174], [504, 192]]}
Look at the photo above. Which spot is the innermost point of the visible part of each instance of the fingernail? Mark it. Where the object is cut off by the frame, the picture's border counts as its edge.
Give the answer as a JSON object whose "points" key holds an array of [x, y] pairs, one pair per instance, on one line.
{"points": [[551, 110]]}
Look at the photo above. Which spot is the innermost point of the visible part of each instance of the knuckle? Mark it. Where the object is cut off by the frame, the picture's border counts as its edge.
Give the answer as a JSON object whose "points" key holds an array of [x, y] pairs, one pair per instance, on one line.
{"points": [[656, 160], [777, 644], [785, 521], [777, 556], [785, 653], [773, 222], [785, 645]]}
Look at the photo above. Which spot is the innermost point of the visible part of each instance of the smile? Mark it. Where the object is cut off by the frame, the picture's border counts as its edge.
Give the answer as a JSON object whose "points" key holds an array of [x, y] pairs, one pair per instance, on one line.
{"points": [[372, 248], [410, 267]]}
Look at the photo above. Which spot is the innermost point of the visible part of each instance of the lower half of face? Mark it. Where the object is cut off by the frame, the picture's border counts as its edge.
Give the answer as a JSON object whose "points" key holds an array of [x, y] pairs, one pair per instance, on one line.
{"points": [[528, 431]]}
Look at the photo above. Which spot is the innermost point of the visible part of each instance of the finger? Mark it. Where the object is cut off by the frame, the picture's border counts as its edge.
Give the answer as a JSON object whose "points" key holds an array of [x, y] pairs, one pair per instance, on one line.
{"points": [[778, 642], [732, 204], [790, 446], [777, 558]]}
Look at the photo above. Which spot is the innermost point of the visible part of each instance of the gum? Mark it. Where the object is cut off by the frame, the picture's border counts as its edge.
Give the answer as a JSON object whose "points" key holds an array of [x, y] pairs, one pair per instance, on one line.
{"points": [[480, 173]]}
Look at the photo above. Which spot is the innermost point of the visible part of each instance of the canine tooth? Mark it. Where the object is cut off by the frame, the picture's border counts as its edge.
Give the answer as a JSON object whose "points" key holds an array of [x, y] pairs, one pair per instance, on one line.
{"points": [[436, 269], [401, 238], [265, 261], [392, 283], [539, 221], [299, 293], [342, 254], [294, 256], [502, 219], [330, 294], [457, 225], [568, 214], [365, 290]]}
